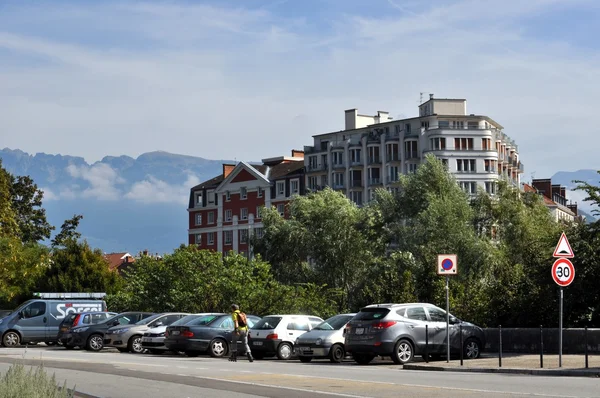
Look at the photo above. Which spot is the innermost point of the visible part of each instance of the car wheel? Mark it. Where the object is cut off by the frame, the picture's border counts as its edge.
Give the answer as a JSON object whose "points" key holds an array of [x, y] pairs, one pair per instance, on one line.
{"points": [[284, 351], [11, 339], [192, 354], [337, 353], [363, 359], [95, 343], [218, 348], [135, 344], [472, 348], [305, 359], [403, 352]]}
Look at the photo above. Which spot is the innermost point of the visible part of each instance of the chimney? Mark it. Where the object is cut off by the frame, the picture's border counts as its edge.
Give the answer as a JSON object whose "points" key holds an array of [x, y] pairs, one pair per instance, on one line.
{"points": [[430, 96], [563, 192], [145, 252], [296, 153], [227, 169]]}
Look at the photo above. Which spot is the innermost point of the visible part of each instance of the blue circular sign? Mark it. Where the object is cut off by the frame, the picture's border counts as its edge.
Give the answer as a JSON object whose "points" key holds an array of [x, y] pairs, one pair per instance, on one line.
{"points": [[447, 264]]}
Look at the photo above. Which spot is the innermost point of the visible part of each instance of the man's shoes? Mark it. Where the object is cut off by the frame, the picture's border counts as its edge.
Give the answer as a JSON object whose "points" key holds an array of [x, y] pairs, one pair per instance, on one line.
{"points": [[233, 357], [249, 355]]}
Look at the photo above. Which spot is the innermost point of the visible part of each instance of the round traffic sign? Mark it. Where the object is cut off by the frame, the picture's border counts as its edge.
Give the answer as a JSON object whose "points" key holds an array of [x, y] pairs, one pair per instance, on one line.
{"points": [[447, 264], [563, 272]]}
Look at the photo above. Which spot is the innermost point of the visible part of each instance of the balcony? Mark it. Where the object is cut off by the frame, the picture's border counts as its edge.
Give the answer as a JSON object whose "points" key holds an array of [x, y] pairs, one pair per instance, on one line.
{"points": [[339, 165], [392, 136], [311, 168], [338, 185], [491, 170], [392, 157], [356, 184], [411, 155], [311, 149], [393, 179], [375, 181], [355, 163], [374, 160]]}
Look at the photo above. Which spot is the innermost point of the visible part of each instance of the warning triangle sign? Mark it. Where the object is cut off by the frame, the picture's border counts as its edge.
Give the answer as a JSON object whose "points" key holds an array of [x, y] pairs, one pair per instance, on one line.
{"points": [[563, 248]]}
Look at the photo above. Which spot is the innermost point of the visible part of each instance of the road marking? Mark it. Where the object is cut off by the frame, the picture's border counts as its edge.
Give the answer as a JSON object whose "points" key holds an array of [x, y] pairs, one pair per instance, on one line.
{"points": [[183, 367]]}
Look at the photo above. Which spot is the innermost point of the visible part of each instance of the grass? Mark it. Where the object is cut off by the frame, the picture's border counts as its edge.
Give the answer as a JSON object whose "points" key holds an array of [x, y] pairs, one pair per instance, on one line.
{"points": [[18, 382]]}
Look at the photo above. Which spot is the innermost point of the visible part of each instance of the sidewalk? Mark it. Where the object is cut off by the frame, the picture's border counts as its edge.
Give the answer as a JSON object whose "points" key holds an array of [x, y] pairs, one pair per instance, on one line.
{"points": [[572, 365]]}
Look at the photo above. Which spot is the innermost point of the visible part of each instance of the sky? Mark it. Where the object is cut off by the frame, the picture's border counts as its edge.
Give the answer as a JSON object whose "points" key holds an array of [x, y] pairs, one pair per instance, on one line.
{"points": [[251, 79]]}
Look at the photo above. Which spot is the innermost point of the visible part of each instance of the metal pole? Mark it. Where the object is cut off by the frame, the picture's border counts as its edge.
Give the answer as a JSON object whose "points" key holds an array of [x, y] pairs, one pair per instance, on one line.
{"points": [[500, 346], [461, 344], [447, 320], [586, 349], [541, 347], [560, 330], [426, 343]]}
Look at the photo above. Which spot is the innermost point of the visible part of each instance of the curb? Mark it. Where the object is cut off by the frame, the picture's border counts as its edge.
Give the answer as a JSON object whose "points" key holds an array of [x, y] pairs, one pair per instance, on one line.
{"points": [[533, 372]]}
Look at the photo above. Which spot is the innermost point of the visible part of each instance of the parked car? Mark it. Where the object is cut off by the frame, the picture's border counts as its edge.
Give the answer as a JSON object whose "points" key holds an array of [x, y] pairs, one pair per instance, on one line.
{"points": [[4, 313], [129, 337], [78, 320], [274, 335], [398, 331], [92, 337], [154, 339], [210, 333], [37, 320], [326, 340]]}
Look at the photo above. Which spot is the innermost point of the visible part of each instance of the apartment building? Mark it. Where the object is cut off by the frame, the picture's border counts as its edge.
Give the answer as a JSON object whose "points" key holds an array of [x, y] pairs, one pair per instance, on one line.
{"points": [[555, 199], [225, 211], [372, 151]]}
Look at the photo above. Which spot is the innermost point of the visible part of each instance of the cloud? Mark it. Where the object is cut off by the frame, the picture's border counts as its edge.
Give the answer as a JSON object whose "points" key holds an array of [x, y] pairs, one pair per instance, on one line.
{"points": [[227, 81], [102, 180], [153, 190]]}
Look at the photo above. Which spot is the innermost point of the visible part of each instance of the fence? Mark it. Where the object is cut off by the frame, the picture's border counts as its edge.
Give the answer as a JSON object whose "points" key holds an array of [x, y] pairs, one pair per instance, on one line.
{"points": [[529, 340]]}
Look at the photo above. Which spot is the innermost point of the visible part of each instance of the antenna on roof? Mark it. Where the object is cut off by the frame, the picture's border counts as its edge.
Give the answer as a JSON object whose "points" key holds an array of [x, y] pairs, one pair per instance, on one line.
{"points": [[421, 98]]}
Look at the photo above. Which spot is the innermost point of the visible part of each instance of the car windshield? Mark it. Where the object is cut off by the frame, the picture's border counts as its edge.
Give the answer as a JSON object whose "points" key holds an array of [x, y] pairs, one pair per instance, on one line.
{"points": [[146, 321], [203, 320], [186, 319], [268, 322], [334, 323], [371, 314]]}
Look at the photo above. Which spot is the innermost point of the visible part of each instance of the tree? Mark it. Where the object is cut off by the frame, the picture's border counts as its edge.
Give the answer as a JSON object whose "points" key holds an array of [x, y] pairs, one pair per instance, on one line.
{"points": [[8, 220], [593, 193], [27, 204], [68, 232]]}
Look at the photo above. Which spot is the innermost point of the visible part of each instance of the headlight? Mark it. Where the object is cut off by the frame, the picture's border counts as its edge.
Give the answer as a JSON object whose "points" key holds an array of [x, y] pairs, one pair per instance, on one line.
{"points": [[319, 342], [1, 320], [161, 335], [120, 331], [79, 330]]}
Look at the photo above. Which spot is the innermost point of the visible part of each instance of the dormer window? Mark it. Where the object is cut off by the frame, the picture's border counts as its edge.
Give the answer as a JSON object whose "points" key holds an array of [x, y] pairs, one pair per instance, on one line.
{"points": [[243, 193], [280, 188], [198, 198]]}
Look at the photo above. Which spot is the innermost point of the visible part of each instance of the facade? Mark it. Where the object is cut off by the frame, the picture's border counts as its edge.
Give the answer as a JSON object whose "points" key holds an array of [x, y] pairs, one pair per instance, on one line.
{"points": [[224, 212], [372, 151], [555, 199]]}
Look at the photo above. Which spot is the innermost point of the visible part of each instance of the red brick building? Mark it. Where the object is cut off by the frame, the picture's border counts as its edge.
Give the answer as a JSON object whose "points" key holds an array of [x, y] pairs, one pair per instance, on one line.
{"points": [[224, 212], [555, 199]]}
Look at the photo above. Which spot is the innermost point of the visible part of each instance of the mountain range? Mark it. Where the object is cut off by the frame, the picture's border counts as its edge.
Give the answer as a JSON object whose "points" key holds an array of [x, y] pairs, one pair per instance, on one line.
{"points": [[135, 204]]}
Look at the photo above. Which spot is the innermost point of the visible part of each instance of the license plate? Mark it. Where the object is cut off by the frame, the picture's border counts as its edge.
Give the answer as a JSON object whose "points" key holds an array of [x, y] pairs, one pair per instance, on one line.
{"points": [[146, 340], [360, 330], [257, 343], [175, 332], [302, 349]]}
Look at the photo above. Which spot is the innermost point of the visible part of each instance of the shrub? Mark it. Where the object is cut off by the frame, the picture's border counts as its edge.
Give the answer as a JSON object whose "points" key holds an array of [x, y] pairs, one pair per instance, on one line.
{"points": [[18, 382]]}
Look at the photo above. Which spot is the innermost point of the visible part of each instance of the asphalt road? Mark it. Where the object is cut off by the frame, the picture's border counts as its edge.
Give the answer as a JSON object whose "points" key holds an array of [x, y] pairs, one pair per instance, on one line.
{"points": [[112, 374]]}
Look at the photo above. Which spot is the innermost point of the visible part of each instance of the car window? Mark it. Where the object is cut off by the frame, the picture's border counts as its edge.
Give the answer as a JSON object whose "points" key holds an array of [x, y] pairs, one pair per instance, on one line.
{"points": [[314, 321], [371, 314], [202, 321], [169, 319], [334, 323], [126, 320], [69, 319], [401, 312], [268, 322], [436, 314], [97, 318], [35, 309], [147, 320], [227, 324], [416, 313], [298, 324], [86, 319], [252, 321], [186, 319]]}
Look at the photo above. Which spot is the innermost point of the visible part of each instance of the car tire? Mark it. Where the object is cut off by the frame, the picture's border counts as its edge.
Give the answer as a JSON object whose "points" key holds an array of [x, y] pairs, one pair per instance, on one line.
{"points": [[403, 352], [95, 343], [192, 354], [135, 344], [218, 348], [11, 339], [363, 359], [305, 359], [337, 353], [285, 351], [472, 348]]}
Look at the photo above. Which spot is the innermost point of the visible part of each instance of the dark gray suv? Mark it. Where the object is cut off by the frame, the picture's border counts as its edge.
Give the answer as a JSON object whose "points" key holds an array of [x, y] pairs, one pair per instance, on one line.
{"points": [[398, 331]]}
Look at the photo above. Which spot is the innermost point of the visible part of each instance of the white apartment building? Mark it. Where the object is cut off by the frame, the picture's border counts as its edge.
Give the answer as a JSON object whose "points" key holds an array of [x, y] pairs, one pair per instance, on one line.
{"points": [[372, 151]]}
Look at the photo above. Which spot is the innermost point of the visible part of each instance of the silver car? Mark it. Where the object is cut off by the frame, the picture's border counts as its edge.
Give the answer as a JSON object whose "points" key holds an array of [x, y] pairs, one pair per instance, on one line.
{"points": [[154, 339], [402, 331], [326, 340], [129, 337]]}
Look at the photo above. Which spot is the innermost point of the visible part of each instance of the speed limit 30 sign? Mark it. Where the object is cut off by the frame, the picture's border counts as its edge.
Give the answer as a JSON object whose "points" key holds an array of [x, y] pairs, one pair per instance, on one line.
{"points": [[563, 272]]}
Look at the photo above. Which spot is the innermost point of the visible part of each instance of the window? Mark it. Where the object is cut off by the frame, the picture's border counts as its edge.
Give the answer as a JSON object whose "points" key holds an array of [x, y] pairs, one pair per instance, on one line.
{"points": [[280, 188], [258, 232], [312, 162], [243, 236], [295, 186], [211, 238], [411, 150], [212, 198], [356, 197], [436, 315], [259, 211], [34, 309], [373, 154], [324, 180], [463, 144], [355, 156], [338, 158], [458, 124], [425, 125], [411, 168], [259, 192], [228, 215], [198, 219], [211, 217], [198, 239], [312, 182], [199, 199], [416, 313], [393, 173], [227, 196], [473, 125], [281, 209], [445, 163], [443, 124], [467, 165], [407, 127], [469, 187], [338, 180], [228, 237], [391, 152], [490, 187], [438, 143], [243, 193], [244, 213], [490, 165]]}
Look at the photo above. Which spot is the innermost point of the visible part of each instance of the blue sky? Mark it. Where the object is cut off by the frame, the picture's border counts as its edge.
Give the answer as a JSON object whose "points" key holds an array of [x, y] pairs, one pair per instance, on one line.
{"points": [[250, 79]]}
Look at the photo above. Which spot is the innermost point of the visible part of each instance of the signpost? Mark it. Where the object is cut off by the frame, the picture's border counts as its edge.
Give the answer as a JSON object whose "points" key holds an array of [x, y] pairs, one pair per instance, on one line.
{"points": [[447, 265], [563, 273]]}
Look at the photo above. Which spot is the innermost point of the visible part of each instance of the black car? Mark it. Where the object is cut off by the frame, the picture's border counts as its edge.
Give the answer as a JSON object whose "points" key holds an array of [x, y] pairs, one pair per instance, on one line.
{"points": [[210, 333], [92, 337]]}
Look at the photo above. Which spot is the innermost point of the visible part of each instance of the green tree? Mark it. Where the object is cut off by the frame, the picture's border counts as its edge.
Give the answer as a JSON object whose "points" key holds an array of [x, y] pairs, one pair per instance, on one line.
{"points": [[593, 194], [68, 232], [8, 220], [27, 204]]}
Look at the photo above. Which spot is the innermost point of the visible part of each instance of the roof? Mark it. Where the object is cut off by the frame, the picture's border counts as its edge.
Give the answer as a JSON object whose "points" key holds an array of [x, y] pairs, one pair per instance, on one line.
{"points": [[284, 169], [116, 259], [213, 182]]}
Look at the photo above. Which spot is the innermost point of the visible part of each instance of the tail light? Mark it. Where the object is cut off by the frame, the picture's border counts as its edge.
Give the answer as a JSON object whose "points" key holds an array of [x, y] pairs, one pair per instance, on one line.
{"points": [[166, 333], [272, 336], [187, 333], [383, 325], [346, 330], [76, 319]]}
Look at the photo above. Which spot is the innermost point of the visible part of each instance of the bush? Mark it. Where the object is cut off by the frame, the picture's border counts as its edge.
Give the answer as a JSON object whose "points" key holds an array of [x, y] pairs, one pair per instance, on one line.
{"points": [[34, 383]]}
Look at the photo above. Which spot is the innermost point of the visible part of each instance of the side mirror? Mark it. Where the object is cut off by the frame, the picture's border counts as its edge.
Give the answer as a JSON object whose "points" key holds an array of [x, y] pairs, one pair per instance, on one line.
{"points": [[157, 324], [454, 320]]}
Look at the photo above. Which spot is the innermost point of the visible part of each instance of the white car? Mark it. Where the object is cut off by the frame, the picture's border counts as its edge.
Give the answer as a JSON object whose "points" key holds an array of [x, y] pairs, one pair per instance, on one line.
{"points": [[274, 335]]}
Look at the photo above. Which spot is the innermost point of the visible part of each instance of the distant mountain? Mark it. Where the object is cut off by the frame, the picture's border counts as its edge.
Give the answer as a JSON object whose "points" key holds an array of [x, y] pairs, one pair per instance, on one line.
{"points": [[128, 204]]}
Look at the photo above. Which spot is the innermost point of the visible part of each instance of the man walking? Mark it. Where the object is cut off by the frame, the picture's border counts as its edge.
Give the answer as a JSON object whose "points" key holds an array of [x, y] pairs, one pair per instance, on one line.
{"points": [[240, 332]]}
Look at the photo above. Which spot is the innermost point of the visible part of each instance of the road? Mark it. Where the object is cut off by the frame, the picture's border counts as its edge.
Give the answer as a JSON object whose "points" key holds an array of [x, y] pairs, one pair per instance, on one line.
{"points": [[113, 374]]}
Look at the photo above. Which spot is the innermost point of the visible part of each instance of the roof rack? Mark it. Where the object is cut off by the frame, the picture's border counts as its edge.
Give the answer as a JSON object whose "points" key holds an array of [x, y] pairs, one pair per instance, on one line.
{"points": [[70, 295]]}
